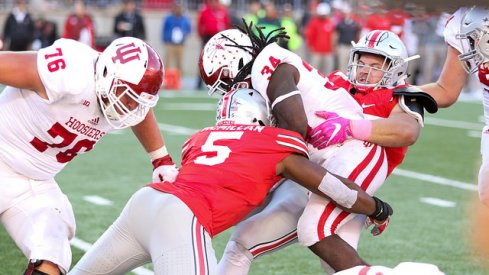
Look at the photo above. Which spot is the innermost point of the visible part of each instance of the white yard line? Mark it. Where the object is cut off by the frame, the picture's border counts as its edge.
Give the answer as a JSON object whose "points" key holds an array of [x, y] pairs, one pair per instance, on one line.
{"points": [[175, 129], [454, 124], [97, 200], [84, 246], [435, 179], [438, 202]]}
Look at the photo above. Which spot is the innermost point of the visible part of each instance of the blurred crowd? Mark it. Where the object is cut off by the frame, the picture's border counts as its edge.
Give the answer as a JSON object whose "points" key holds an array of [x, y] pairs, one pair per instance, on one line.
{"points": [[321, 31]]}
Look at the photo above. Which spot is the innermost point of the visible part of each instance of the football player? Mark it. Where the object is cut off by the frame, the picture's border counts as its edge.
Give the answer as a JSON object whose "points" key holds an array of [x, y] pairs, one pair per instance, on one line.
{"points": [[301, 98], [58, 103], [467, 36], [242, 158]]}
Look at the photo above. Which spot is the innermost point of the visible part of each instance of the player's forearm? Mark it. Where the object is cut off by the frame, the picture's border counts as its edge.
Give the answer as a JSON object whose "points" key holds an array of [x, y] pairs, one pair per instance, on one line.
{"points": [[148, 133], [394, 132]]}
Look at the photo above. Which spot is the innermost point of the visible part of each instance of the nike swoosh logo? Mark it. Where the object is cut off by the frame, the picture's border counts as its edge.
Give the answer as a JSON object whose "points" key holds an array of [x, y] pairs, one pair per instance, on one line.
{"points": [[337, 128], [367, 105]]}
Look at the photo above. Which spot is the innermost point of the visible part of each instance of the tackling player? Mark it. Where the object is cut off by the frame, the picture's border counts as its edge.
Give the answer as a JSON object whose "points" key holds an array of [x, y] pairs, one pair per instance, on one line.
{"points": [[241, 158], [467, 36], [296, 92], [58, 103]]}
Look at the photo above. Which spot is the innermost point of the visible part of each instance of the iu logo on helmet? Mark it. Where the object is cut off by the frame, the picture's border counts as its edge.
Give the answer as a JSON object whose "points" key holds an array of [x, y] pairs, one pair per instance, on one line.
{"points": [[127, 53]]}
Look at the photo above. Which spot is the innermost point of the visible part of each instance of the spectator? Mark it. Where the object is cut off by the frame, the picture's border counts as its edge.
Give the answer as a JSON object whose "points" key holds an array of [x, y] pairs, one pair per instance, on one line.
{"points": [[18, 32], [251, 16], [320, 39], [288, 22], [348, 29], [79, 25], [45, 34], [176, 28], [212, 18], [271, 20], [129, 22]]}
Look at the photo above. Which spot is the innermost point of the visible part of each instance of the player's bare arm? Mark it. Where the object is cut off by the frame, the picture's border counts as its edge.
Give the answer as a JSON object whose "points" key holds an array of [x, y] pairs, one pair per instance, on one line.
{"points": [[148, 133], [311, 175], [398, 130], [287, 106], [19, 69], [451, 81]]}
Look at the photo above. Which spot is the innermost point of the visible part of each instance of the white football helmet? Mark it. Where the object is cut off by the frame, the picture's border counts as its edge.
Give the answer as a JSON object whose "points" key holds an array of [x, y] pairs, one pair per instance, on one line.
{"points": [[244, 106], [128, 71], [474, 33], [386, 44], [222, 57]]}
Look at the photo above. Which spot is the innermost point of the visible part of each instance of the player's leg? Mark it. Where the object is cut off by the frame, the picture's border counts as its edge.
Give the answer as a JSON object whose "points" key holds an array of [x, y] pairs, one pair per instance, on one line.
{"points": [[322, 222], [118, 250], [175, 239], [40, 220], [271, 229], [483, 184]]}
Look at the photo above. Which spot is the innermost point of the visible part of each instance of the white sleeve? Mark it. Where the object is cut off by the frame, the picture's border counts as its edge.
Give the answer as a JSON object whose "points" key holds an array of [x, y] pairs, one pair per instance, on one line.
{"points": [[66, 68], [266, 62]]}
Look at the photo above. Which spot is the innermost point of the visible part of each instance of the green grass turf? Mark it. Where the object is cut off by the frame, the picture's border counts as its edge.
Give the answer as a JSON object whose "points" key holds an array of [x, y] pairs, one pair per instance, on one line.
{"points": [[118, 166]]}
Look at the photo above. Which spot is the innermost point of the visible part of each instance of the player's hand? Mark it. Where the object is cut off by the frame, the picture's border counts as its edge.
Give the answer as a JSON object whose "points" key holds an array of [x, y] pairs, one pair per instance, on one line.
{"points": [[333, 130], [164, 169], [380, 218]]}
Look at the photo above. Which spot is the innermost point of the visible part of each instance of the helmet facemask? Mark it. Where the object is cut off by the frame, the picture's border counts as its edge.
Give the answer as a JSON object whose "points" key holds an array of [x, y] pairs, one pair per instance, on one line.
{"points": [[474, 36], [474, 44], [128, 76], [391, 67], [117, 113]]}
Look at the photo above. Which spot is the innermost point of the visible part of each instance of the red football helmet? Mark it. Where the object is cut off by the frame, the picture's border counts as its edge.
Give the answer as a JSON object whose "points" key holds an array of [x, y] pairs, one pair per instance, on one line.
{"points": [[128, 70], [223, 56]]}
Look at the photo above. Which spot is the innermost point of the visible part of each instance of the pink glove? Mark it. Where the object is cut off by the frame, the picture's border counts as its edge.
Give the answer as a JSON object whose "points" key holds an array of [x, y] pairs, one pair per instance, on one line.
{"points": [[164, 169], [333, 130], [337, 129]]}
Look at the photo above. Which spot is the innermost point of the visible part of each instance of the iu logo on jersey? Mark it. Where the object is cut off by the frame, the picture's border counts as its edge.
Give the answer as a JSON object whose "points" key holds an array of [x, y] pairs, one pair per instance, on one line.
{"points": [[127, 53]]}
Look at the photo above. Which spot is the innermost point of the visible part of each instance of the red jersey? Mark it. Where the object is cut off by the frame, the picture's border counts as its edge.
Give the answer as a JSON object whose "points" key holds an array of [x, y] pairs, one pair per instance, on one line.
{"points": [[375, 104], [227, 171]]}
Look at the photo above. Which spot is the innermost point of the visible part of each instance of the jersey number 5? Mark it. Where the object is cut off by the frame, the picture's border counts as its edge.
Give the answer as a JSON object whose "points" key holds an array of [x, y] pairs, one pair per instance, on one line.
{"points": [[222, 152]]}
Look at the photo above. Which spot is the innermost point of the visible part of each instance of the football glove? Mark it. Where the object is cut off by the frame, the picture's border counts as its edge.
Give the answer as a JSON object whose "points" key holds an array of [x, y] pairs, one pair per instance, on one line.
{"points": [[333, 130], [164, 169], [380, 218]]}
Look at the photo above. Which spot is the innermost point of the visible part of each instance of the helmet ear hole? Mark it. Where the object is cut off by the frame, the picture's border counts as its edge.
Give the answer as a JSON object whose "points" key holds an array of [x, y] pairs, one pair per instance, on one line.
{"points": [[105, 72]]}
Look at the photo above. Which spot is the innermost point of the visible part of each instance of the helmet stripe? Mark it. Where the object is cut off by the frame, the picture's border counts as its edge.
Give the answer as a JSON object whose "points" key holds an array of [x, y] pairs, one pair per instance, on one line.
{"points": [[373, 38]]}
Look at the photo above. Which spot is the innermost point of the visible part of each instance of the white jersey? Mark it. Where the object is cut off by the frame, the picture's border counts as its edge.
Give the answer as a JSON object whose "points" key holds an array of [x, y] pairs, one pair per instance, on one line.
{"points": [[39, 136], [452, 28], [315, 96]]}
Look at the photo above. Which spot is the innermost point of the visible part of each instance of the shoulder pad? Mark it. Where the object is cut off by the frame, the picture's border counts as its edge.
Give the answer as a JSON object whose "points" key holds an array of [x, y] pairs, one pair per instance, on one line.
{"points": [[426, 100]]}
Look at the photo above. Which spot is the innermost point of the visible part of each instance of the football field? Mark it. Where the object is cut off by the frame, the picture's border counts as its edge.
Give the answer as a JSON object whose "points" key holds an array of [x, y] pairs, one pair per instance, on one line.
{"points": [[432, 192]]}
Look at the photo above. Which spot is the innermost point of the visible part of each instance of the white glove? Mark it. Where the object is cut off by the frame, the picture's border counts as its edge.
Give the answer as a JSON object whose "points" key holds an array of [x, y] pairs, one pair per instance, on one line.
{"points": [[165, 173], [164, 169]]}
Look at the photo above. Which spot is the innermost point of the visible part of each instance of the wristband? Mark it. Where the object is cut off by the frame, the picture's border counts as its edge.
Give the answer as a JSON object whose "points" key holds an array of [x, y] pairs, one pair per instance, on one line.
{"points": [[337, 191], [361, 129], [158, 153]]}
